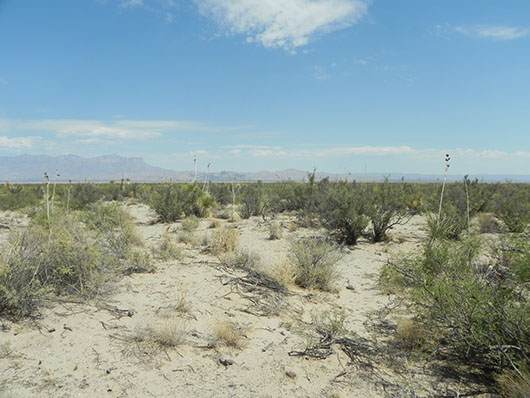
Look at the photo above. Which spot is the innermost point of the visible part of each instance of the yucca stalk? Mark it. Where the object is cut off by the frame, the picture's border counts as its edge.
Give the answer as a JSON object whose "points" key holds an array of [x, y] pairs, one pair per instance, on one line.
{"points": [[447, 164]]}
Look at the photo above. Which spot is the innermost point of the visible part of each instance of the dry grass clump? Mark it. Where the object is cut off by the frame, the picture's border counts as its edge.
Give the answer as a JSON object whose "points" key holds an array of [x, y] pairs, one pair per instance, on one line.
{"points": [[189, 224], [167, 249], [512, 385], [139, 262], [224, 240], [188, 238], [275, 231], [331, 321], [314, 262], [243, 259], [285, 273], [410, 333], [168, 334], [488, 224], [215, 224], [230, 334]]}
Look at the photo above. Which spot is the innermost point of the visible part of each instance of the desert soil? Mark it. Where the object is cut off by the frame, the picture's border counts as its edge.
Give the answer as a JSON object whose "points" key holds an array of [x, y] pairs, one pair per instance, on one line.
{"points": [[80, 349]]}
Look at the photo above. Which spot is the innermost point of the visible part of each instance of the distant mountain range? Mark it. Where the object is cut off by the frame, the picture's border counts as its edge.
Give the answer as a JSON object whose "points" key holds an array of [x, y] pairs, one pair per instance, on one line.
{"points": [[31, 168]]}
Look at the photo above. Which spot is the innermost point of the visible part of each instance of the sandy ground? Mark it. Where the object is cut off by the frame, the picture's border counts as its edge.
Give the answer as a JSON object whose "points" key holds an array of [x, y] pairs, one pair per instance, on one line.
{"points": [[93, 350]]}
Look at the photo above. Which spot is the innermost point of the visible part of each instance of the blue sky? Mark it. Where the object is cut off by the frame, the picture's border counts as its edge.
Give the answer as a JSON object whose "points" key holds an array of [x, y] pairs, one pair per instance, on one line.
{"points": [[340, 85]]}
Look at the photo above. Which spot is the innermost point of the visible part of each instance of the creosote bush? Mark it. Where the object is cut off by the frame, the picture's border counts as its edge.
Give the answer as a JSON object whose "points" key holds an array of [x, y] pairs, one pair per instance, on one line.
{"points": [[386, 209], [69, 254], [314, 262], [477, 312], [342, 211]]}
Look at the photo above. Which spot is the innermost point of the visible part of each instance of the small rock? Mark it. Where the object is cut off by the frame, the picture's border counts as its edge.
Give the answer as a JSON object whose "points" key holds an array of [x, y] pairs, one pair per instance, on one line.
{"points": [[290, 374], [226, 362]]}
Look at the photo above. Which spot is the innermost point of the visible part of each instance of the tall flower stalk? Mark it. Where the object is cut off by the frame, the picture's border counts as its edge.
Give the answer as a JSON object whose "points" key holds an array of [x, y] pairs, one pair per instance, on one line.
{"points": [[447, 165]]}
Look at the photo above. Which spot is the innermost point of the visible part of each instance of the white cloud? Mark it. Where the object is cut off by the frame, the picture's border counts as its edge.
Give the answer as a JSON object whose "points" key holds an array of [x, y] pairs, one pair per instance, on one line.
{"points": [[199, 152], [19, 142], [90, 130], [337, 151], [380, 151], [280, 23], [492, 32], [3, 81], [132, 3], [320, 73]]}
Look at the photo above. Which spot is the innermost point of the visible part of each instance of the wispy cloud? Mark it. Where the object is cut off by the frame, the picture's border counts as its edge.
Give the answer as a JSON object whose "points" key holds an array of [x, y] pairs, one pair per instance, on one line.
{"points": [[276, 152], [491, 32], [131, 3], [92, 131], [3, 81], [18, 142], [283, 24]]}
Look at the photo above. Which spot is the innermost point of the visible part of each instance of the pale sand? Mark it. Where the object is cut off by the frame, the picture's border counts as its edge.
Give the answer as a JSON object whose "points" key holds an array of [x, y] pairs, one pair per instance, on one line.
{"points": [[86, 350]]}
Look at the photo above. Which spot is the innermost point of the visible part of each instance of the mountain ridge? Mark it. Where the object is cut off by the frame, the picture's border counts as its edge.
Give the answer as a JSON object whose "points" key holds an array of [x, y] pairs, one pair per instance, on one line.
{"points": [[31, 168]]}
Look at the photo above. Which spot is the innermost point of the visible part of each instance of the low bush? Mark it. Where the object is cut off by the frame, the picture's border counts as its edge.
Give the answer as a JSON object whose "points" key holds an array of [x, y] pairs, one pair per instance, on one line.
{"points": [[314, 263], [229, 334], [68, 254], [512, 206], [342, 211], [224, 240], [386, 208], [477, 312], [167, 249], [190, 224]]}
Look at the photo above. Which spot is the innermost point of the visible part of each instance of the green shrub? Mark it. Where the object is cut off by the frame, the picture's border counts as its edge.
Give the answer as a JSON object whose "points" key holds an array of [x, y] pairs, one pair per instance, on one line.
{"points": [[252, 199], [342, 211], [512, 206], [479, 313], [314, 262], [190, 224], [18, 196], [386, 208], [74, 254], [167, 203]]}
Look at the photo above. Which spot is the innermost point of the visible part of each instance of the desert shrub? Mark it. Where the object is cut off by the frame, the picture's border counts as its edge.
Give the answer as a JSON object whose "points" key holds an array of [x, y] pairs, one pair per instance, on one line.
{"points": [[224, 240], [63, 258], [74, 254], [512, 206], [438, 229], [229, 334], [513, 384], [386, 208], [190, 224], [332, 322], [195, 202], [138, 262], [171, 201], [342, 211], [409, 333], [314, 262], [479, 313], [275, 231], [252, 199], [114, 227], [167, 249], [221, 192], [83, 195], [18, 196], [241, 259], [167, 203], [169, 334], [488, 224]]}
